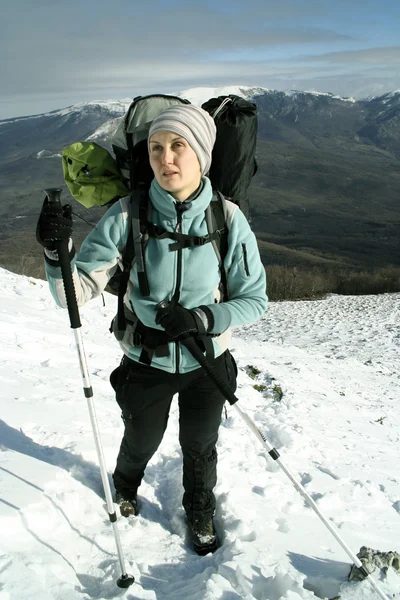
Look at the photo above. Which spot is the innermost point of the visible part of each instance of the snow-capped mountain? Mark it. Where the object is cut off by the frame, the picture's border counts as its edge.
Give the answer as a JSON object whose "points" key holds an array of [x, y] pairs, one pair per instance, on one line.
{"points": [[96, 121], [83, 109], [196, 95], [328, 166], [310, 110], [201, 94]]}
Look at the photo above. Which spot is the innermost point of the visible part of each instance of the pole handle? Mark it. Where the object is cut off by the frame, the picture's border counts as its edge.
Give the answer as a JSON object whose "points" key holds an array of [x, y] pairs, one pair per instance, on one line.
{"points": [[54, 197], [195, 351]]}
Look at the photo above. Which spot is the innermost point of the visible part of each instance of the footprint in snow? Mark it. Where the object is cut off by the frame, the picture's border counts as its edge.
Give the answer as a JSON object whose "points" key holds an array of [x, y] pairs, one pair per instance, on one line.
{"points": [[305, 478], [283, 525]]}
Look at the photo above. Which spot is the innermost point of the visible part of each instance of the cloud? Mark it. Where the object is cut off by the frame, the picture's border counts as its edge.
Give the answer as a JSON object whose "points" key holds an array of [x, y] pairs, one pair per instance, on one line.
{"points": [[371, 56], [55, 45], [50, 63], [70, 52]]}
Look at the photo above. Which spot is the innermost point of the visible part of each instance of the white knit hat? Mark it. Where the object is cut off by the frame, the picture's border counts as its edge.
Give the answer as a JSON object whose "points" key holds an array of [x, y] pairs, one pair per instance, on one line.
{"points": [[194, 124]]}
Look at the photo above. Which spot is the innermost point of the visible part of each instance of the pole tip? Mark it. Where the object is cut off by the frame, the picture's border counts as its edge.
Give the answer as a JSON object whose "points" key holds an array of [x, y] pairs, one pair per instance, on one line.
{"points": [[125, 581]]}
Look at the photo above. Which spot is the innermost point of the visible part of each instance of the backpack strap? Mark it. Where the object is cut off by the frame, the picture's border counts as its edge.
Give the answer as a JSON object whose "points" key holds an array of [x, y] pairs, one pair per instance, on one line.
{"points": [[216, 224], [127, 258], [139, 206]]}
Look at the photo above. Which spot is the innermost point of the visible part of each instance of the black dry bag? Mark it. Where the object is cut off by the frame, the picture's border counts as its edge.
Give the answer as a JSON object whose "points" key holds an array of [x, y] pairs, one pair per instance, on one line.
{"points": [[234, 155]]}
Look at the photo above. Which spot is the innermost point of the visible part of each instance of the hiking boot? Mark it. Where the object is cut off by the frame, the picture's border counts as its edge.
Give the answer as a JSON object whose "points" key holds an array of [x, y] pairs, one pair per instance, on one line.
{"points": [[204, 538], [128, 506]]}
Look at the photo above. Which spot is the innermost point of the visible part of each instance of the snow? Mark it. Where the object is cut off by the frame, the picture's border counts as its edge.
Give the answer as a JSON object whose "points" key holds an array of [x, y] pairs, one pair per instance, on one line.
{"points": [[47, 154], [106, 130], [200, 95], [119, 106], [330, 95], [336, 426], [388, 96]]}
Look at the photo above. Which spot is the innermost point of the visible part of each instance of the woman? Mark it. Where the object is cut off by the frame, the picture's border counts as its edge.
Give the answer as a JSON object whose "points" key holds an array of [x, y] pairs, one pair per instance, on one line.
{"points": [[180, 144]]}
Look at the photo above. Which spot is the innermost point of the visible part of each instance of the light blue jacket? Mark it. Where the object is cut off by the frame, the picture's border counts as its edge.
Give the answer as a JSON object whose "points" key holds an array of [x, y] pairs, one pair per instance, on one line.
{"points": [[101, 253]]}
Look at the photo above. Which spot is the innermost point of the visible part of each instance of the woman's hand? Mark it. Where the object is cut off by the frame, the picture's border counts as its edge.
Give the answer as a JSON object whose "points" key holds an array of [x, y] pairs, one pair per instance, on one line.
{"points": [[181, 323], [54, 224]]}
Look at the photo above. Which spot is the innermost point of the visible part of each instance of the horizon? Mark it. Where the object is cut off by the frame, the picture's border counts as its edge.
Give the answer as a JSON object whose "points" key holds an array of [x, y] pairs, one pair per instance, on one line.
{"points": [[51, 59], [219, 90]]}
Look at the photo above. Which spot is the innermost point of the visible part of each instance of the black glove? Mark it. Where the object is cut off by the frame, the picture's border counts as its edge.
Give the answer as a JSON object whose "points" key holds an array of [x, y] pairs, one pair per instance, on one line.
{"points": [[181, 323], [54, 224]]}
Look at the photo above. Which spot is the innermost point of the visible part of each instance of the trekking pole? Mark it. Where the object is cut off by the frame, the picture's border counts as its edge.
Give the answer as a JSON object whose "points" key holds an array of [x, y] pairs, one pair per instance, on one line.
{"points": [[194, 349], [53, 196]]}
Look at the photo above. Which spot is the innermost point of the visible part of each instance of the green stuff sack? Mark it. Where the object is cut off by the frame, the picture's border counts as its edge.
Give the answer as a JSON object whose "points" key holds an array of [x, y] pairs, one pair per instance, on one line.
{"points": [[92, 175]]}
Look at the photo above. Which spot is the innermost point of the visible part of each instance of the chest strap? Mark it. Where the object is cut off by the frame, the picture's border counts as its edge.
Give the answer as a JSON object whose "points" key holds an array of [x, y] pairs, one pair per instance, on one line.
{"points": [[183, 240]]}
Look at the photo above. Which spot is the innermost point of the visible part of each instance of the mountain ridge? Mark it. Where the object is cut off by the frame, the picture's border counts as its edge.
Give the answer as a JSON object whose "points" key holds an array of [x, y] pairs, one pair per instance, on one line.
{"points": [[212, 91], [327, 186]]}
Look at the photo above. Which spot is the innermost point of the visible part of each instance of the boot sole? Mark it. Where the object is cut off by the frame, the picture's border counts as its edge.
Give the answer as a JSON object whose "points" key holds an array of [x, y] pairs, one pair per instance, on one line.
{"points": [[128, 512], [128, 509], [206, 549]]}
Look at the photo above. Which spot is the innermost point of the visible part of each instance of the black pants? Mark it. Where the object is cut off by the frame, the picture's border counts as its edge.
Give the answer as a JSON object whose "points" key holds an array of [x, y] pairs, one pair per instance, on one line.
{"points": [[145, 395]]}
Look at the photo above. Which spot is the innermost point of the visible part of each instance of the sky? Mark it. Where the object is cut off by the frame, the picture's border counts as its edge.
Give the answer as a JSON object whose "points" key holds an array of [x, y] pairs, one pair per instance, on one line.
{"points": [[54, 54], [336, 427]]}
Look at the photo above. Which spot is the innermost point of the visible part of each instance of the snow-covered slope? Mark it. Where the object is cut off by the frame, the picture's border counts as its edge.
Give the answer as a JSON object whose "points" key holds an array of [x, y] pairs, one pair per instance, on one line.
{"points": [[327, 398], [111, 106]]}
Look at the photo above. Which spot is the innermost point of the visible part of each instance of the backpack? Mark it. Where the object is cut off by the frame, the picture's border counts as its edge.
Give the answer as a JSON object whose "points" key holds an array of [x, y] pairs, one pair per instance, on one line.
{"points": [[233, 166], [233, 163], [92, 175]]}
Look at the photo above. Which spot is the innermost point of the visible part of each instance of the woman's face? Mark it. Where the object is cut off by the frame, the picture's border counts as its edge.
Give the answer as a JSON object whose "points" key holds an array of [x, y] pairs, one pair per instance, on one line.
{"points": [[175, 164]]}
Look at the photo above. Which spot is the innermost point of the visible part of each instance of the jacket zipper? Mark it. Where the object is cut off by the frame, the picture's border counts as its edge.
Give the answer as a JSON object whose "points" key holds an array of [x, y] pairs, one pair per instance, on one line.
{"points": [[246, 264], [177, 292]]}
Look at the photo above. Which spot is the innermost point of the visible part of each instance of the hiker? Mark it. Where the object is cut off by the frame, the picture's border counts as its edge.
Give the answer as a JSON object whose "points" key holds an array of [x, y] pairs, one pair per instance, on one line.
{"points": [[185, 300]]}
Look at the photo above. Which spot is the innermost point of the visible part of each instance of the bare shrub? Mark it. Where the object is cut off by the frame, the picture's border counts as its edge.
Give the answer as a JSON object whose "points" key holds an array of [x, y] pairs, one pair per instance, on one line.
{"points": [[291, 283], [380, 281]]}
